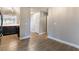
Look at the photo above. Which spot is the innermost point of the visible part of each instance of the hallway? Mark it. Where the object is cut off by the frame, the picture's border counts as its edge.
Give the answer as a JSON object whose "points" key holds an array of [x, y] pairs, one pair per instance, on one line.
{"points": [[35, 43]]}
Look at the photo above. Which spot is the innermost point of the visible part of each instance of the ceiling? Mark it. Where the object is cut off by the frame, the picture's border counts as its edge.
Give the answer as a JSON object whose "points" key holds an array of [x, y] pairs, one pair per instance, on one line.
{"points": [[16, 10], [10, 10]]}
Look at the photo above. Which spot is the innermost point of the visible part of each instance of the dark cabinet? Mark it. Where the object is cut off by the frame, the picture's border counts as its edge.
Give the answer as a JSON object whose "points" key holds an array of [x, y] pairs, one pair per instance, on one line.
{"points": [[8, 30]]}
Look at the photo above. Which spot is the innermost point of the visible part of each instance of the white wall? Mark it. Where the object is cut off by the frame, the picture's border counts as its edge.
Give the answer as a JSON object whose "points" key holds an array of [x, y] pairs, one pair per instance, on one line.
{"points": [[63, 24], [24, 22]]}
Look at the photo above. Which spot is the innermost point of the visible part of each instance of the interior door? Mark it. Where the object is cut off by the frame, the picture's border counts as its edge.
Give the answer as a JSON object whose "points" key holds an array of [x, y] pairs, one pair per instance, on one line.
{"points": [[35, 19]]}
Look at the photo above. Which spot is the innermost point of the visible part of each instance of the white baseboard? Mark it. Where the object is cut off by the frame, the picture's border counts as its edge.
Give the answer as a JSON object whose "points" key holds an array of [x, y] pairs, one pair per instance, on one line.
{"points": [[25, 37], [65, 42], [42, 33]]}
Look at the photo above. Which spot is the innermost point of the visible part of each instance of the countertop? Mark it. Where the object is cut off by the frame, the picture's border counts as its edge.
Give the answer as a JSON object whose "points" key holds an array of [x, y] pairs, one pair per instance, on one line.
{"points": [[12, 25]]}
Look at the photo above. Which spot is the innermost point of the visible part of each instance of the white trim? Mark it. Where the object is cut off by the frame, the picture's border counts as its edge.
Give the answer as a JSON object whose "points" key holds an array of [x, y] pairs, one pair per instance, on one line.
{"points": [[42, 33], [24, 37], [65, 42]]}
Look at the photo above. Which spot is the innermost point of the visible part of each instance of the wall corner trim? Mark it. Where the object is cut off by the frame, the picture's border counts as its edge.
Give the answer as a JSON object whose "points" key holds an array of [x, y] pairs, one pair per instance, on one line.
{"points": [[65, 42]]}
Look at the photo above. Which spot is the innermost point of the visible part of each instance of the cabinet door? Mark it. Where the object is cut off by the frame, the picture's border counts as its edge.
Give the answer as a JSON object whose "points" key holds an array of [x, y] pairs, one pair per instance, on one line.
{"points": [[9, 30]]}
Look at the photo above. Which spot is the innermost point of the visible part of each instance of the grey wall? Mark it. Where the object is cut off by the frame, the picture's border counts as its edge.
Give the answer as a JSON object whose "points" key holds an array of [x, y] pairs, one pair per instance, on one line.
{"points": [[43, 23], [24, 22], [63, 24]]}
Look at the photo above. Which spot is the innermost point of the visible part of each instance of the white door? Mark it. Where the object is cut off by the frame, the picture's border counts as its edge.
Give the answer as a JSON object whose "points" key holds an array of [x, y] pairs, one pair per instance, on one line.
{"points": [[35, 19]]}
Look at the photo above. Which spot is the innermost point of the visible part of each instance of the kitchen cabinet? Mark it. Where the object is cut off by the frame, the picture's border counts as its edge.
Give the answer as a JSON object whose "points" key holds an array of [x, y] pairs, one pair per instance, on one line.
{"points": [[9, 30]]}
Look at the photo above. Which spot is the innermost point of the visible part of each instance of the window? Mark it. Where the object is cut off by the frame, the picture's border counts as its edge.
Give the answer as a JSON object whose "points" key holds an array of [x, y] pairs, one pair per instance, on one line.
{"points": [[9, 20]]}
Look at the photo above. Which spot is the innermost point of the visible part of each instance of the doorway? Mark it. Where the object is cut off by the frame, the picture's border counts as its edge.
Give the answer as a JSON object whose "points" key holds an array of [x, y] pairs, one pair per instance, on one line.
{"points": [[38, 22]]}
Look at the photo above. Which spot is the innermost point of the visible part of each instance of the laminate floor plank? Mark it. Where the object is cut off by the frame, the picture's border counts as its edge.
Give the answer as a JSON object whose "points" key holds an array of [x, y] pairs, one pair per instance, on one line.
{"points": [[36, 42]]}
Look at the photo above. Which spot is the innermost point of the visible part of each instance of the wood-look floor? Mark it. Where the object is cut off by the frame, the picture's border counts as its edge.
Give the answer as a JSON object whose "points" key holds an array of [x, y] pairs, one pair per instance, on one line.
{"points": [[35, 43]]}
